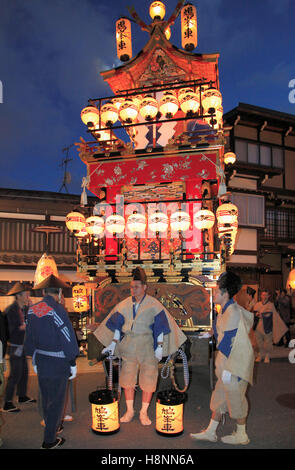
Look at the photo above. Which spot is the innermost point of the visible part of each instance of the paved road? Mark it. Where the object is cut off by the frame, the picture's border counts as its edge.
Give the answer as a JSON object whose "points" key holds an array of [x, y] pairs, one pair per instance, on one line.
{"points": [[271, 422]]}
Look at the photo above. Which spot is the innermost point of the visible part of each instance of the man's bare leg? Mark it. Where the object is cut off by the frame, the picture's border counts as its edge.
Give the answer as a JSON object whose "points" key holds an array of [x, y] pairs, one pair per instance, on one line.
{"points": [[143, 416], [129, 397]]}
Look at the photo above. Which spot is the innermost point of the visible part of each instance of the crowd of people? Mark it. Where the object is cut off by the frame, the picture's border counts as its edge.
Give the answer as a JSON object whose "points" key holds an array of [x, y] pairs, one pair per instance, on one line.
{"points": [[140, 331]]}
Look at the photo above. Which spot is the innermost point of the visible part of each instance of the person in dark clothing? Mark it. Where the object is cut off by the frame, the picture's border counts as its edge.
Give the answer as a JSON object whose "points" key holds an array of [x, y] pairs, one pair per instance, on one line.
{"points": [[18, 377], [51, 341], [284, 309], [4, 332]]}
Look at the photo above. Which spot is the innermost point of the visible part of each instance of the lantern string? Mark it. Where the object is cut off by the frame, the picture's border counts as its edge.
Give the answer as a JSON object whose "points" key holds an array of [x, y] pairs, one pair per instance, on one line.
{"points": [[218, 167], [222, 185]]}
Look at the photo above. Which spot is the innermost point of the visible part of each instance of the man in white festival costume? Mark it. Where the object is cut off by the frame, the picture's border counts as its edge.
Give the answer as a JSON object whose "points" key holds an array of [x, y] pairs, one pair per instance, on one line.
{"points": [[234, 362], [140, 331]]}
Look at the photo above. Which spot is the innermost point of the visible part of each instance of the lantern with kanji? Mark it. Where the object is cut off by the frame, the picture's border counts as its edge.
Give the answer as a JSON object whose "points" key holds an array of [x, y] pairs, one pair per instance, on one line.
{"points": [[189, 34], [105, 412], [123, 39], [169, 412], [80, 300]]}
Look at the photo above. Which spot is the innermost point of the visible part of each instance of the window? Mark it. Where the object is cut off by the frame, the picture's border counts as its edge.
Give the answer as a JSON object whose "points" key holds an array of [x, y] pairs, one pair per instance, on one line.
{"points": [[251, 209], [241, 148], [265, 155], [253, 154], [277, 157], [279, 223]]}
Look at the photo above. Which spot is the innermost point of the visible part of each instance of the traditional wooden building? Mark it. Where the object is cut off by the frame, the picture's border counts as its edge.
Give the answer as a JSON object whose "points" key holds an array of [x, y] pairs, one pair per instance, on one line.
{"points": [[32, 223], [263, 187]]}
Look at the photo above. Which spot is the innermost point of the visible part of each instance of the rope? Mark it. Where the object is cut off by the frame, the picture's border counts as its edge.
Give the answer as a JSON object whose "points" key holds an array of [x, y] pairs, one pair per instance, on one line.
{"points": [[110, 377], [169, 368]]}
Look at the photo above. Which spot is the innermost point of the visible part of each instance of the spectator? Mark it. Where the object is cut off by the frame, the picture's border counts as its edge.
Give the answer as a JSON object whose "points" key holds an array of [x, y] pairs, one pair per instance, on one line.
{"points": [[18, 377], [284, 309], [270, 327]]}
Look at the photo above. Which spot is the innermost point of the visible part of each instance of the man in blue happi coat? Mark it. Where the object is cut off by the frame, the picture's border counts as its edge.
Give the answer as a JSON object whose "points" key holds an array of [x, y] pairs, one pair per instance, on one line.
{"points": [[51, 341]]}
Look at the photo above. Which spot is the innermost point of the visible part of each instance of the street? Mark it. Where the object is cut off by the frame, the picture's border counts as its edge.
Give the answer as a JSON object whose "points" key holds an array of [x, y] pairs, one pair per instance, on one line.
{"points": [[270, 422]]}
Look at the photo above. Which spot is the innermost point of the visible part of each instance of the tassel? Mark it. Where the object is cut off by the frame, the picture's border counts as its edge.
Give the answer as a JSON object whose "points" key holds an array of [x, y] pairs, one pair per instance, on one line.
{"points": [[84, 185]]}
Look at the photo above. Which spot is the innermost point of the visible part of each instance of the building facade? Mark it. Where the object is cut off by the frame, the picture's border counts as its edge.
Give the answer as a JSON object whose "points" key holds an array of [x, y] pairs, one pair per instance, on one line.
{"points": [[33, 223], [263, 187]]}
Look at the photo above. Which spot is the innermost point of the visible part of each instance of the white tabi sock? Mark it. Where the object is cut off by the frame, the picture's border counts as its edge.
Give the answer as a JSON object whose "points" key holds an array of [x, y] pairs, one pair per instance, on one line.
{"points": [[213, 425]]}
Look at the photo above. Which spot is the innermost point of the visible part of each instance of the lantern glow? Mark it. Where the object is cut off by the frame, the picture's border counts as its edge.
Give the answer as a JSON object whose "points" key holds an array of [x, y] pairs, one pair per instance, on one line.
{"points": [[148, 108], [136, 222], [180, 221], [157, 10], [169, 413], [168, 105], [94, 225], [115, 224], [211, 99], [105, 412], [189, 33], [100, 133], [168, 33], [123, 39], [75, 221], [90, 116], [229, 158], [45, 267], [109, 114], [188, 100], [204, 219], [128, 111], [81, 233], [80, 301], [158, 222], [291, 279], [227, 213]]}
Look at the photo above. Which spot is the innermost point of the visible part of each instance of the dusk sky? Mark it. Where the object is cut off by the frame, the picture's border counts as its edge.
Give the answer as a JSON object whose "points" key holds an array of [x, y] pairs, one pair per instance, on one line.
{"points": [[52, 53]]}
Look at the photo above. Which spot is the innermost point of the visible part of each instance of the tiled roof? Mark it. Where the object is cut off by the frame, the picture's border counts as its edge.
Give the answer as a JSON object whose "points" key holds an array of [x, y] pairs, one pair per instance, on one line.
{"points": [[23, 259]]}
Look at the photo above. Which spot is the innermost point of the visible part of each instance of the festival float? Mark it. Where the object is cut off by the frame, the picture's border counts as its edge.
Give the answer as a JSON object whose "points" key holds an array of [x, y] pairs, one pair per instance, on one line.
{"points": [[155, 153]]}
